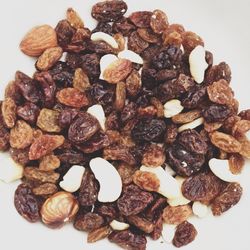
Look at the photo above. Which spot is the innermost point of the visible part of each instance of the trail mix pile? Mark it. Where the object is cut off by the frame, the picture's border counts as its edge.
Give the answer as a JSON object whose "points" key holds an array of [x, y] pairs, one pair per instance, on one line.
{"points": [[136, 131]]}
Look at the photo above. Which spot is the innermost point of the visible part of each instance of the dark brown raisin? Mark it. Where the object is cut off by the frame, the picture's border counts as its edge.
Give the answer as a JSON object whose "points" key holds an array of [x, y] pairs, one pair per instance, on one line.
{"points": [[20, 156], [66, 117], [185, 233], [216, 113], [91, 65], [141, 19], [26, 203], [109, 11], [141, 223], [136, 43], [129, 112], [108, 211], [194, 97], [64, 32], [133, 200], [103, 27], [245, 114], [171, 133], [29, 112], [123, 26]]}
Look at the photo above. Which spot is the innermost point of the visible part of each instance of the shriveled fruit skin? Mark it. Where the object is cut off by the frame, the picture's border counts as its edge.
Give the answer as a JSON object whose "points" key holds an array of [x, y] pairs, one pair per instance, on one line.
{"points": [[99, 234], [26, 203], [185, 233], [229, 197], [141, 19], [8, 109]]}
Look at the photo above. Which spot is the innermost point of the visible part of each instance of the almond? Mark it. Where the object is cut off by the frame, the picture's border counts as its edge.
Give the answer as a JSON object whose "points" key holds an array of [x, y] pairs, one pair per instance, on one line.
{"points": [[38, 39]]}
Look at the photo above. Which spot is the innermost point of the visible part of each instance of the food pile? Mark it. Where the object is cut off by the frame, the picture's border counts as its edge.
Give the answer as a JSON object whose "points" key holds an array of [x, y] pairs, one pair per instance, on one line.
{"points": [[132, 134]]}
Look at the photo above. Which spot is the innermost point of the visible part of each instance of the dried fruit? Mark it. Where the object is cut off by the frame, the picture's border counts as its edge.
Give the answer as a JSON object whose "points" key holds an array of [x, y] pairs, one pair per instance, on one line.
{"points": [[20, 156], [245, 149], [126, 172], [117, 71], [28, 112], [59, 209], [9, 112], [120, 96], [133, 200], [45, 189], [186, 117], [240, 128], [38, 39], [236, 163], [220, 92], [44, 145], [190, 41], [141, 19], [83, 128], [225, 142], [146, 180], [64, 33], [176, 215], [136, 43], [171, 134], [148, 35], [26, 203], [21, 136], [72, 97], [49, 163], [34, 174], [81, 80], [74, 19], [109, 11], [229, 197], [48, 58], [216, 113], [154, 156], [159, 21], [141, 223], [185, 233], [48, 120], [128, 240], [99, 234], [133, 83]]}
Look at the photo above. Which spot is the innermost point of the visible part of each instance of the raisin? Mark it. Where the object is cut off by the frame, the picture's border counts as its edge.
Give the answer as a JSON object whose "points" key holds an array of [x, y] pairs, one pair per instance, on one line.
{"points": [[148, 78], [153, 156], [109, 11], [88, 222], [166, 74], [136, 43], [148, 35], [158, 227], [21, 136], [167, 58], [185, 233], [156, 207], [100, 47], [133, 200], [72, 97], [8, 109], [245, 114], [190, 41], [97, 142], [194, 97], [45, 189], [98, 234], [27, 87], [192, 141], [123, 26], [66, 117], [81, 80], [126, 172], [141, 19], [186, 82], [236, 163], [48, 120], [150, 52], [171, 133], [171, 37], [159, 107], [91, 65], [229, 123], [229, 197], [88, 190], [240, 128], [146, 180], [159, 21], [49, 163], [12, 91], [202, 187], [28, 112], [20, 156], [101, 94], [103, 27], [141, 223], [119, 153], [218, 72], [186, 117], [4, 138], [129, 112], [108, 211], [184, 162], [148, 130], [176, 215], [64, 32], [44, 145], [26, 203], [128, 240], [83, 128], [48, 87], [220, 92], [112, 121]]}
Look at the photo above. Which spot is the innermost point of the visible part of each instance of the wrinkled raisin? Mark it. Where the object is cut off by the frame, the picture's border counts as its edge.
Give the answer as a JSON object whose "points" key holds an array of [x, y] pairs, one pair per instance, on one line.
{"points": [[216, 113], [103, 27], [64, 32], [141, 19], [28, 112], [136, 43], [190, 41], [171, 133], [141, 223], [20, 156], [9, 112], [159, 21], [153, 156], [123, 26], [148, 35]]}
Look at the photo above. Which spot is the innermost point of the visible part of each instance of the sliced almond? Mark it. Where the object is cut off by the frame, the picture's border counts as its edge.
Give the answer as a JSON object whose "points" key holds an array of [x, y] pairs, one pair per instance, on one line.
{"points": [[168, 232], [119, 226], [98, 112], [221, 169], [105, 62], [101, 36], [168, 185], [130, 55], [199, 209], [172, 108], [191, 125], [109, 179]]}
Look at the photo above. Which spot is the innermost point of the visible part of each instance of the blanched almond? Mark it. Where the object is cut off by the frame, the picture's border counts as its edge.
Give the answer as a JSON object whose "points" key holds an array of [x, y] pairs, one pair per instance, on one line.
{"points": [[119, 226], [101, 36], [191, 125], [131, 56], [172, 108], [98, 112]]}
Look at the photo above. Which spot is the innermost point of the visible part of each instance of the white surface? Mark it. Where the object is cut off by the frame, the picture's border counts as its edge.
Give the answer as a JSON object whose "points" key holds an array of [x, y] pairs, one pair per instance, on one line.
{"points": [[223, 24]]}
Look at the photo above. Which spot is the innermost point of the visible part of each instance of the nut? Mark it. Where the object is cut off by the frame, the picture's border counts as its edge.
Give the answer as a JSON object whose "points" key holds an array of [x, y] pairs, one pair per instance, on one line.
{"points": [[105, 62], [38, 39], [59, 209], [101, 36], [198, 63], [119, 226], [180, 200], [109, 179], [172, 108], [191, 125], [98, 112], [48, 58], [9, 170], [199, 209], [72, 179], [168, 232], [131, 56], [169, 170], [222, 170], [168, 185]]}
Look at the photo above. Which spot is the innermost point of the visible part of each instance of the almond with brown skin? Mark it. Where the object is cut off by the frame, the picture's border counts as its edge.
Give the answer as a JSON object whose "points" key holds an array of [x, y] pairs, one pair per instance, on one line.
{"points": [[38, 39]]}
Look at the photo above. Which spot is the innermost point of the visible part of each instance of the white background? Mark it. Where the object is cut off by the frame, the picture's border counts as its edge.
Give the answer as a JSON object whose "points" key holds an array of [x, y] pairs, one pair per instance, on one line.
{"points": [[224, 25]]}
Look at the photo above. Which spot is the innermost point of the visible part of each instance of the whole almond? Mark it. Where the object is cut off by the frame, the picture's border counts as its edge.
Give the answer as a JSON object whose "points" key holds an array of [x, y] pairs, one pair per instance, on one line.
{"points": [[38, 39], [48, 58]]}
